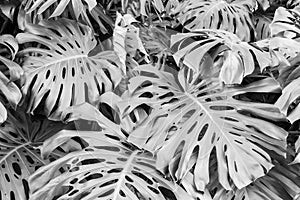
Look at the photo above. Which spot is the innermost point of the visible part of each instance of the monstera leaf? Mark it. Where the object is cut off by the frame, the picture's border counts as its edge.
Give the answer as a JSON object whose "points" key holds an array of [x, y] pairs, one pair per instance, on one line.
{"points": [[106, 169], [60, 6], [86, 11], [13, 70], [286, 22], [281, 183], [20, 156], [233, 17], [60, 71], [201, 49], [190, 117]]}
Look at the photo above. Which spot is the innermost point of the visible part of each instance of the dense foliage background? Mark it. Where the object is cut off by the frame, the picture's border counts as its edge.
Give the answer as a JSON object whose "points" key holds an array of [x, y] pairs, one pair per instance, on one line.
{"points": [[149, 99]]}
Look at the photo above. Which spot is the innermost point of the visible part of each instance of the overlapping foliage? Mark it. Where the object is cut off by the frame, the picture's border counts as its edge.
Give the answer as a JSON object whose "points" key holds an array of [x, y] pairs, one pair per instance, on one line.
{"points": [[149, 99]]}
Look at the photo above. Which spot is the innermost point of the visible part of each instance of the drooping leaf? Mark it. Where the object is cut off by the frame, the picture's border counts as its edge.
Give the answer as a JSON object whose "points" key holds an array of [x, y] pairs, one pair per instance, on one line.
{"points": [[61, 71], [192, 116], [233, 17], [105, 169], [20, 156], [200, 49]]}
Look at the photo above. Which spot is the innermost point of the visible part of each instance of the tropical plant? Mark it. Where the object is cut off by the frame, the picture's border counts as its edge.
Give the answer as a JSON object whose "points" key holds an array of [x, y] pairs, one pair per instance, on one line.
{"points": [[149, 99]]}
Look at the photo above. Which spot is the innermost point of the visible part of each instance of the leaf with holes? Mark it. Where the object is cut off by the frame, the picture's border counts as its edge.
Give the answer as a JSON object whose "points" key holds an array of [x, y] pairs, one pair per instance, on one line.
{"points": [[202, 50], [192, 116], [85, 11], [20, 156], [106, 169], [233, 17], [60, 6], [60, 72]]}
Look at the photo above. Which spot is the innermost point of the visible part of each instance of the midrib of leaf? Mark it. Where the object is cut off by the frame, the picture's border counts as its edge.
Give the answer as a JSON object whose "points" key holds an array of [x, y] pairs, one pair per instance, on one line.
{"points": [[16, 150], [215, 123], [213, 7], [123, 174], [64, 59], [209, 115]]}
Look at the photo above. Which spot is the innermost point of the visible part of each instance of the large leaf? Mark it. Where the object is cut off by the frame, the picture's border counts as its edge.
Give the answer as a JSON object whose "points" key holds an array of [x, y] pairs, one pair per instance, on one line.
{"points": [[60, 71], [106, 169], [20, 156], [191, 117], [217, 14], [201, 49]]}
